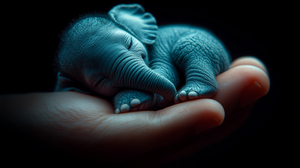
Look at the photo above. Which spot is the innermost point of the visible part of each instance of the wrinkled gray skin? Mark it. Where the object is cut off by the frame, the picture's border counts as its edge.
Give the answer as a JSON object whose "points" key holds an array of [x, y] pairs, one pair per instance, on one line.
{"points": [[139, 64]]}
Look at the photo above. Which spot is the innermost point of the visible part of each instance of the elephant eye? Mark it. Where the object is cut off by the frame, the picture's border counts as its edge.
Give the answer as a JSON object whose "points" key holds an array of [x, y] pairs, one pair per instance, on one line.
{"points": [[97, 80], [130, 44]]}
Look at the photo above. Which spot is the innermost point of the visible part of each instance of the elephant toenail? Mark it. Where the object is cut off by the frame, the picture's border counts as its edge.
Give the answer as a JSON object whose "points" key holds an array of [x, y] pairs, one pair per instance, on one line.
{"points": [[135, 102], [125, 108], [176, 99], [193, 95], [182, 96], [117, 111]]}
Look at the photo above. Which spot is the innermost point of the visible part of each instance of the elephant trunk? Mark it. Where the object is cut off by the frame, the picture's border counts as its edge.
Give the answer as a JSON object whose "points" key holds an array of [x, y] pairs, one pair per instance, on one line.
{"points": [[137, 75]]}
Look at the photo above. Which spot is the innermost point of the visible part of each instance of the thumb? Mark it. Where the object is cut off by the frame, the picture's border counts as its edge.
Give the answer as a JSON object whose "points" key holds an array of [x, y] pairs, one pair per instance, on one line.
{"points": [[137, 133], [180, 121]]}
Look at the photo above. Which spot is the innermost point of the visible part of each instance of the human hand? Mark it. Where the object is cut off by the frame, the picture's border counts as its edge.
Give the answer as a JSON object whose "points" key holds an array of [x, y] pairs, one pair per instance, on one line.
{"points": [[87, 126]]}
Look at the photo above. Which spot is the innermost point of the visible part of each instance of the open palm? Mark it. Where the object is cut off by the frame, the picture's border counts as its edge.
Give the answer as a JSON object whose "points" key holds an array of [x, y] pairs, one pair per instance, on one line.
{"points": [[71, 120]]}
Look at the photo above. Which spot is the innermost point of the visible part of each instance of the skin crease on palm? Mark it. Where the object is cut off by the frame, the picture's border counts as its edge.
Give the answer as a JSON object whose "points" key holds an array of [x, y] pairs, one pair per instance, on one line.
{"points": [[86, 126]]}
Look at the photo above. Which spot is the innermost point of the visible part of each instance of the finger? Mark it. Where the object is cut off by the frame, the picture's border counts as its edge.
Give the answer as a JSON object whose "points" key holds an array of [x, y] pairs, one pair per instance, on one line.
{"points": [[188, 118], [132, 134], [249, 60], [240, 86], [192, 145]]}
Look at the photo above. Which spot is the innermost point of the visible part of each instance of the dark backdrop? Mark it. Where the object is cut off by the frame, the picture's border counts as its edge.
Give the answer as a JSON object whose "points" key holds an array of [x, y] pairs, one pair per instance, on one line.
{"points": [[30, 34]]}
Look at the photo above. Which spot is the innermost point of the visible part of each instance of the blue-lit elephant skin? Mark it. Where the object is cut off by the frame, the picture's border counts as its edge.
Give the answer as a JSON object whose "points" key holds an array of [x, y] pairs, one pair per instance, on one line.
{"points": [[125, 55], [189, 57]]}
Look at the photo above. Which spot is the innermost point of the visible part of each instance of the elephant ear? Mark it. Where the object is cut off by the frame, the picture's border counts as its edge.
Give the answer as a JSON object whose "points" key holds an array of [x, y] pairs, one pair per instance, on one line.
{"points": [[67, 84], [133, 18]]}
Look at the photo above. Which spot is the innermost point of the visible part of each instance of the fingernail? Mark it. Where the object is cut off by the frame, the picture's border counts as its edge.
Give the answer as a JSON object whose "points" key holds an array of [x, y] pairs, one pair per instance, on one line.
{"points": [[252, 93], [207, 124]]}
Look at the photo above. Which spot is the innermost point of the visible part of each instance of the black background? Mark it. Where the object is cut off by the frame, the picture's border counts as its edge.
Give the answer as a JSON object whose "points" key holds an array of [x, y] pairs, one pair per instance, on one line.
{"points": [[265, 30]]}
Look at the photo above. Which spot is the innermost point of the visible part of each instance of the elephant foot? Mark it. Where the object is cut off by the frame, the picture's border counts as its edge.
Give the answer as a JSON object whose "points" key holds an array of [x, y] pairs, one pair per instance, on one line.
{"points": [[194, 90], [133, 100]]}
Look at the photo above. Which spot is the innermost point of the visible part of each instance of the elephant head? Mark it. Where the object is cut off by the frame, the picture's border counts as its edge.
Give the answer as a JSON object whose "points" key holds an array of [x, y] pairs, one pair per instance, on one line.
{"points": [[105, 53]]}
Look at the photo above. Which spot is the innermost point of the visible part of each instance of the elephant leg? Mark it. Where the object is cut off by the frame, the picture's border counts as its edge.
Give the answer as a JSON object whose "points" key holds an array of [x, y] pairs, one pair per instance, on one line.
{"points": [[201, 58], [164, 66]]}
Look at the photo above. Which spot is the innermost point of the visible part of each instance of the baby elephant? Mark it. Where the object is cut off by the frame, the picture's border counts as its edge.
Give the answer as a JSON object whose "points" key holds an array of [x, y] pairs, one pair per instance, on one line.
{"points": [[126, 56]]}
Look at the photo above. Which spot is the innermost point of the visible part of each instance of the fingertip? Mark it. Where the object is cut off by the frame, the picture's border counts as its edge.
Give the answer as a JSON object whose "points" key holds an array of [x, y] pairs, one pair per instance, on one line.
{"points": [[169, 125], [215, 111], [249, 60], [251, 93], [256, 74], [233, 86], [246, 74]]}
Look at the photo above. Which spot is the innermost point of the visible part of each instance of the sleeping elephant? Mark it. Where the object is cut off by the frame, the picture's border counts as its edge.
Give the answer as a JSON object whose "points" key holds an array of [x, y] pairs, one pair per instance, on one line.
{"points": [[126, 56]]}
